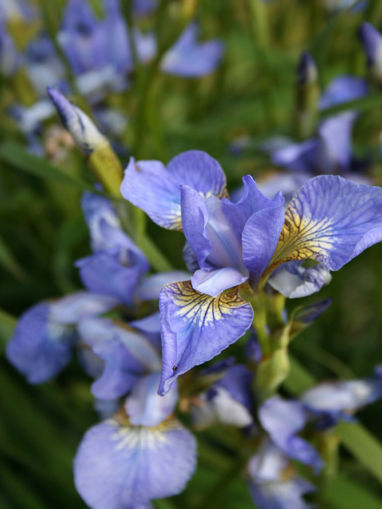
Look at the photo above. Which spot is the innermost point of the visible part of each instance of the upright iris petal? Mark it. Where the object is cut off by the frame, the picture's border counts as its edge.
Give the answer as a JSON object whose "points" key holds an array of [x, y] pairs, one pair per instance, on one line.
{"points": [[120, 465], [331, 220], [196, 327], [231, 240], [156, 189]]}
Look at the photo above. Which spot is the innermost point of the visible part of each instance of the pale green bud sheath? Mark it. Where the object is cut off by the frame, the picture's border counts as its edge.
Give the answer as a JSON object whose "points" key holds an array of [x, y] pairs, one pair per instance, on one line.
{"points": [[93, 144]]}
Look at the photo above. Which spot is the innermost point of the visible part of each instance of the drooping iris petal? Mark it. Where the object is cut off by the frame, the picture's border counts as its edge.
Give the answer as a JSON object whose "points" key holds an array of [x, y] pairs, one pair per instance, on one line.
{"points": [[283, 420], [145, 406], [150, 287], [336, 399], [127, 355], [273, 485], [212, 236], [331, 220], [190, 58], [156, 189], [196, 327], [119, 466], [40, 347], [293, 280]]}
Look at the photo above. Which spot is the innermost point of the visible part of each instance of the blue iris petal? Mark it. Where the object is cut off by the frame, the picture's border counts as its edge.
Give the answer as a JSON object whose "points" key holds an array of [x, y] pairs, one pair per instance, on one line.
{"points": [[125, 466]]}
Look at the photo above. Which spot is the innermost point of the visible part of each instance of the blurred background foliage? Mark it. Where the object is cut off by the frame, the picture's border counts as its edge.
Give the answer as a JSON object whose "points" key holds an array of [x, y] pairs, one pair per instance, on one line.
{"points": [[42, 233]]}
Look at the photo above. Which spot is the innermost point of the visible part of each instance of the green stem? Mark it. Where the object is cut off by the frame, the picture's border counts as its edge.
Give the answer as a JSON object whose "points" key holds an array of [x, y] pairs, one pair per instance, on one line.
{"points": [[259, 22], [260, 322]]}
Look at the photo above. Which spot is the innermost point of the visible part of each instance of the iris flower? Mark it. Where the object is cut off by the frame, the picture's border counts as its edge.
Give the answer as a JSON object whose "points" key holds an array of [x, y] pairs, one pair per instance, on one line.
{"points": [[236, 245]]}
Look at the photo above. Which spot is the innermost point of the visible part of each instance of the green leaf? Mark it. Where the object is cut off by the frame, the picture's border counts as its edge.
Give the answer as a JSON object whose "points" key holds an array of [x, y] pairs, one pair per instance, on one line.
{"points": [[320, 44], [357, 440], [363, 445], [369, 102], [9, 262], [14, 154], [7, 324], [343, 493]]}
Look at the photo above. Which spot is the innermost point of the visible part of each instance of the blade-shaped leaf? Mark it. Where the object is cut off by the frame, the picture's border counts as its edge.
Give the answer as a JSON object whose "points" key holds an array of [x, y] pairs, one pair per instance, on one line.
{"points": [[14, 154], [343, 493], [9, 262]]}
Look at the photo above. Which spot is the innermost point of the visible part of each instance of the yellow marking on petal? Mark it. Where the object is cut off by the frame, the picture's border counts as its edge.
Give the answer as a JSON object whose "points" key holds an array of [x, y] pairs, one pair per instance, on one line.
{"points": [[202, 308], [302, 238], [143, 437]]}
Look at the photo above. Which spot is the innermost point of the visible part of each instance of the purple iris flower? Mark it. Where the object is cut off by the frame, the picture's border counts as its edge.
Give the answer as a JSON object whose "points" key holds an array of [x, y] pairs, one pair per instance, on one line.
{"points": [[324, 404], [274, 484], [91, 44], [330, 221], [118, 465], [141, 452], [283, 419], [41, 345]]}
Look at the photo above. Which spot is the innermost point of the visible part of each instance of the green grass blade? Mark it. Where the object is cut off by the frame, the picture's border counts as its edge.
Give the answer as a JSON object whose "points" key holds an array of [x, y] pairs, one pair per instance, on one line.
{"points": [[343, 493], [9, 262], [14, 154], [7, 324]]}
